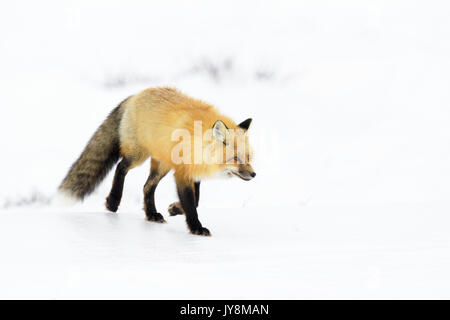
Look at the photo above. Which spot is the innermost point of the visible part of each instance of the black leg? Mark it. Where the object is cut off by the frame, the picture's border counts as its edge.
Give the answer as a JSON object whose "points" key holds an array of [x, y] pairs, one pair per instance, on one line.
{"points": [[156, 174], [176, 209], [197, 193], [186, 192], [115, 195]]}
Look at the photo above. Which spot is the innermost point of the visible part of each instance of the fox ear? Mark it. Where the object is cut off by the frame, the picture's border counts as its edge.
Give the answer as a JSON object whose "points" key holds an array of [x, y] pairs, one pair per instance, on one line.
{"points": [[220, 131], [245, 124]]}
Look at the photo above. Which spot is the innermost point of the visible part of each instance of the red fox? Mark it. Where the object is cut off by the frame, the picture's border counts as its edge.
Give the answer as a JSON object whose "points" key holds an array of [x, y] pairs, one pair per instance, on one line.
{"points": [[150, 124]]}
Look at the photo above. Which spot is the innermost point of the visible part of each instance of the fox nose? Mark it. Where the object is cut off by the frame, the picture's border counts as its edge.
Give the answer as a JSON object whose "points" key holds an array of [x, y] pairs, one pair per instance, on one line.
{"points": [[253, 174]]}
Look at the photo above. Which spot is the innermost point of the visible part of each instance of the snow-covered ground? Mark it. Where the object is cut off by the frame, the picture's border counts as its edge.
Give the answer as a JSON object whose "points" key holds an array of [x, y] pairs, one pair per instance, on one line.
{"points": [[351, 109]]}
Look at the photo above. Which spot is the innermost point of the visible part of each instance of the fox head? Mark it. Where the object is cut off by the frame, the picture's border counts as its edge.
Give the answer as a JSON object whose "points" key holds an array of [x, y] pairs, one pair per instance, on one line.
{"points": [[235, 154]]}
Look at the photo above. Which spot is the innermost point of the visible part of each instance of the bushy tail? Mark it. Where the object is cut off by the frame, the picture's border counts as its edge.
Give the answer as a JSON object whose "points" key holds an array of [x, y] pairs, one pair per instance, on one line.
{"points": [[99, 156]]}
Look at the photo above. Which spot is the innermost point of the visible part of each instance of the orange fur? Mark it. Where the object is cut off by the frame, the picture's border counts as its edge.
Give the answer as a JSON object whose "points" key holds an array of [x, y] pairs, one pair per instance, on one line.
{"points": [[150, 118]]}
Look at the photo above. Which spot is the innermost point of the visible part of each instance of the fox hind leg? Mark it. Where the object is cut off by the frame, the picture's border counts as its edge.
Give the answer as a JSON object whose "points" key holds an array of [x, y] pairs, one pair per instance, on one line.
{"points": [[115, 195], [157, 172]]}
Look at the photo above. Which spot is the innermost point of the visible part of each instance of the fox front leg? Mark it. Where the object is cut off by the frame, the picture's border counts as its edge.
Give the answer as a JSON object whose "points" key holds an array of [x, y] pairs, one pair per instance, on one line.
{"points": [[186, 193], [176, 209]]}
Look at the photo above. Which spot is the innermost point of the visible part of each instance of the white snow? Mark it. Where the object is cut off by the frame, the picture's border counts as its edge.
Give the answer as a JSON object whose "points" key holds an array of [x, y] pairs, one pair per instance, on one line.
{"points": [[350, 102]]}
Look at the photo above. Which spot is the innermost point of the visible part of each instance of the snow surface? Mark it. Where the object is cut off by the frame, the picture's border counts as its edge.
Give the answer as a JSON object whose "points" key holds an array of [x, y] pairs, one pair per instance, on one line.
{"points": [[350, 102]]}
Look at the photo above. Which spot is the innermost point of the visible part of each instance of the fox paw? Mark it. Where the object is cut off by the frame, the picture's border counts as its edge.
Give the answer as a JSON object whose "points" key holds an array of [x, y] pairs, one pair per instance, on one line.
{"points": [[175, 209], [201, 232], [112, 204], [156, 217]]}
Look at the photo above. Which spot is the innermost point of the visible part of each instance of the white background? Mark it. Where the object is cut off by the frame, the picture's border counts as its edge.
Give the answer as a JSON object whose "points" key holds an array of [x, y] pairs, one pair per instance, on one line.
{"points": [[351, 131]]}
